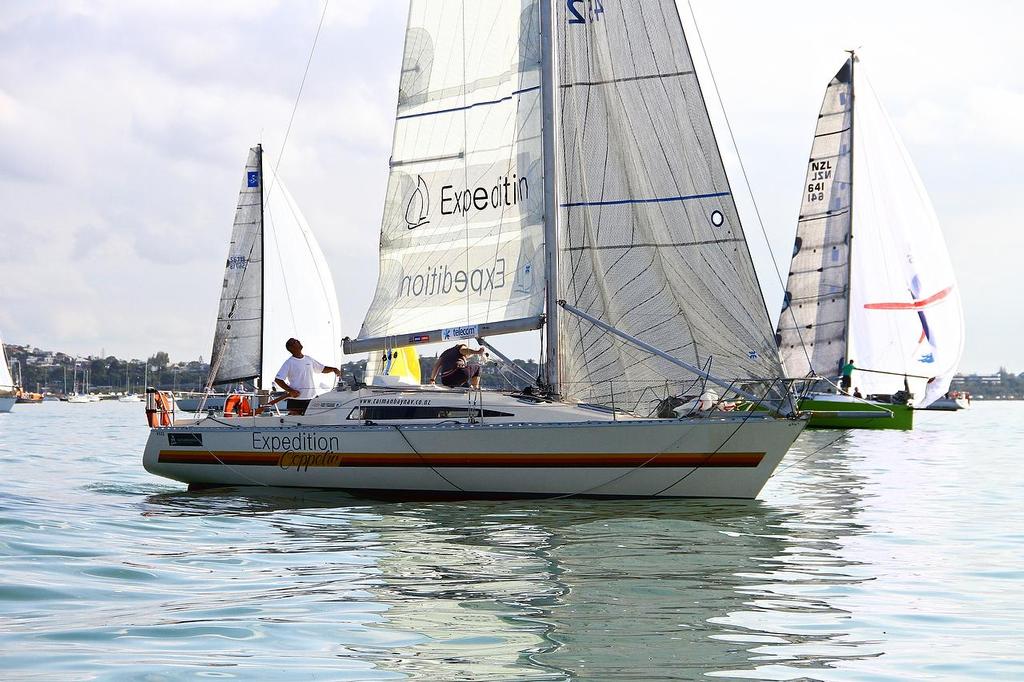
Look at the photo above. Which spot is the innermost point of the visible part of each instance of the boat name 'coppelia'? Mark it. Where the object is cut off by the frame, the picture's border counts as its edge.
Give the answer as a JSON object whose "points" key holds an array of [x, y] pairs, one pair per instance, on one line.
{"points": [[308, 442]]}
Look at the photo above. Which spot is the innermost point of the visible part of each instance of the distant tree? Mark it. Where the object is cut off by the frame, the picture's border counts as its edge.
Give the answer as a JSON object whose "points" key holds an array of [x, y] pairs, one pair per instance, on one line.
{"points": [[160, 361]]}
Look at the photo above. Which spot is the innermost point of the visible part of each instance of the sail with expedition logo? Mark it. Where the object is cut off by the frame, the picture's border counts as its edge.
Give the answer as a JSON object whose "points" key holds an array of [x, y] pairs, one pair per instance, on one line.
{"points": [[650, 240], [462, 234]]}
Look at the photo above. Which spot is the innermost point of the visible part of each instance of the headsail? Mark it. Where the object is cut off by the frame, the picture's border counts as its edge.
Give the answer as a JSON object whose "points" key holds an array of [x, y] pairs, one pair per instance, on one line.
{"points": [[650, 237], [462, 237], [238, 340], [300, 299], [905, 312], [812, 328]]}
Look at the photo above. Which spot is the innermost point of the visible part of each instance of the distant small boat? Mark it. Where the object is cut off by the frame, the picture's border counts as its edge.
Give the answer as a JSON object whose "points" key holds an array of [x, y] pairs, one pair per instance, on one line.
{"points": [[951, 402], [129, 398], [79, 398]]}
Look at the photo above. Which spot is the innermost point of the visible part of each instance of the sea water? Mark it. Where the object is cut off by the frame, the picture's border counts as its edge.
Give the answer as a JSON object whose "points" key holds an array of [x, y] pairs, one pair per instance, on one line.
{"points": [[870, 555]]}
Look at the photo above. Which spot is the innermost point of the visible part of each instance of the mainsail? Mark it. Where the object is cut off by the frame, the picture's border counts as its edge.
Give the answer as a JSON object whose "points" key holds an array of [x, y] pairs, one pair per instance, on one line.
{"points": [[462, 234], [276, 285], [883, 249], [812, 329], [645, 235], [650, 237], [238, 340], [6, 380]]}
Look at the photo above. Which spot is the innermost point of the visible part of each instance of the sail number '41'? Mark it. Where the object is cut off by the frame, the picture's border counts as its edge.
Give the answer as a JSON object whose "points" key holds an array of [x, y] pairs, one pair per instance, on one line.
{"points": [[593, 8]]}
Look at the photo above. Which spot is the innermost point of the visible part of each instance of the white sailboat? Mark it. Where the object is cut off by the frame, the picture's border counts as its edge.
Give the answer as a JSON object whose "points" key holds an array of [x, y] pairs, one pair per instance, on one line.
{"points": [[128, 396], [79, 390], [871, 279], [553, 168], [277, 285], [8, 394]]}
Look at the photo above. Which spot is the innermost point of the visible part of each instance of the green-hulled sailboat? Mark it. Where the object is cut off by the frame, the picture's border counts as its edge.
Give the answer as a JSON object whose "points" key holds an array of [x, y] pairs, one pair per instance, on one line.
{"points": [[891, 302]]}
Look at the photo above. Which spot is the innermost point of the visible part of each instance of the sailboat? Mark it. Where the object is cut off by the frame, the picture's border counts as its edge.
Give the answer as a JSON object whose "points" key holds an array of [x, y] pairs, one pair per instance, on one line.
{"points": [[554, 169], [128, 396], [79, 396], [871, 279], [277, 285], [8, 394]]}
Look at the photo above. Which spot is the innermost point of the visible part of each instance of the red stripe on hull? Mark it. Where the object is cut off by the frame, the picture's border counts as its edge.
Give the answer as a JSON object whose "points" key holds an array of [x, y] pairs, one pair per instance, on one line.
{"points": [[305, 460]]}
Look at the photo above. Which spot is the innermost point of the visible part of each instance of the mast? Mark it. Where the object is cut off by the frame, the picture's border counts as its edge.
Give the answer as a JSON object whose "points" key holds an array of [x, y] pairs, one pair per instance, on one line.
{"points": [[548, 94], [263, 258], [849, 258]]}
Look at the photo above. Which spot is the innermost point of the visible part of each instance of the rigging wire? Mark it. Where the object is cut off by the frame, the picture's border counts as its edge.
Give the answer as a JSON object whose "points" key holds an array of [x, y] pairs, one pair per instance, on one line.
{"points": [[743, 169]]}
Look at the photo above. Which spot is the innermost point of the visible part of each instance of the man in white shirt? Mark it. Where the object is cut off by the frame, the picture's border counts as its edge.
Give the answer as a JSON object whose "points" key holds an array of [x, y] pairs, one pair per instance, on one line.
{"points": [[297, 377]]}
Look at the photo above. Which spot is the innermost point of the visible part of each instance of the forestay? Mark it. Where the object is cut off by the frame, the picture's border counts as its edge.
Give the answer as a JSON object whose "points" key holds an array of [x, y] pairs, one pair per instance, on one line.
{"points": [[905, 313], [813, 324], [237, 341], [650, 238], [462, 236]]}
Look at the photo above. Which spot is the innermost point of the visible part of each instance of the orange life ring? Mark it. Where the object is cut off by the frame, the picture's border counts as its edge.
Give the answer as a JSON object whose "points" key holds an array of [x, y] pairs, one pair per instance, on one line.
{"points": [[237, 405], [163, 409]]}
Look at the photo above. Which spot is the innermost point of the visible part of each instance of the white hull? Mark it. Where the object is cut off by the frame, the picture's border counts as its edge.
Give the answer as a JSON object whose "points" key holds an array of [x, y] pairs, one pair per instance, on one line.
{"points": [[719, 456], [7, 403]]}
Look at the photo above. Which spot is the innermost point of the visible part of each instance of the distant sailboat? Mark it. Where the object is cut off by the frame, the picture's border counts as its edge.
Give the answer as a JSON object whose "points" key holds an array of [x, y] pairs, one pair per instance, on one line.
{"points": [[79, 391], [128, 396], [8, 395], [870, 278], [552, 168]]}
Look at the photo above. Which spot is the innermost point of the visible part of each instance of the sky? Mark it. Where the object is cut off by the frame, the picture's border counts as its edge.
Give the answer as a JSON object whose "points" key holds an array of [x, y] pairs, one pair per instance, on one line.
{"points": [[124, 127]]}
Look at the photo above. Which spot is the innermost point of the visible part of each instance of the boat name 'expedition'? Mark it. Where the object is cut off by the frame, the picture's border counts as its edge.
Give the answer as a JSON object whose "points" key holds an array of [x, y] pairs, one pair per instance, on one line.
{"points": [[299, 441]]}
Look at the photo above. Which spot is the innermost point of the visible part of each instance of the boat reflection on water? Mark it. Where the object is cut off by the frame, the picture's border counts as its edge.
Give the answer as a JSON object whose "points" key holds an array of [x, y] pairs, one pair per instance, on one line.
{"points": [[571, 588]]}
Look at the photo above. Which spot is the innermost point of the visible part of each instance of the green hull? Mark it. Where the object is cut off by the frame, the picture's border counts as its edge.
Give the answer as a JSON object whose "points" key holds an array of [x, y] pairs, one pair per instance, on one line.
{"points": [[902, 416]]}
